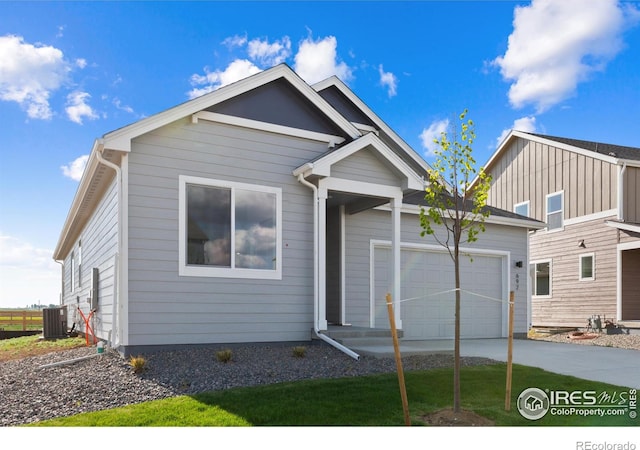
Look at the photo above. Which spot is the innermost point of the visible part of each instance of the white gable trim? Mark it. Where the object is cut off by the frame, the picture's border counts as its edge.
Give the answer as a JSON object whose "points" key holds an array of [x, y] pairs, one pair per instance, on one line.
{"points": [[339, 84], [331, 139], [322, 166], [121, 139]]}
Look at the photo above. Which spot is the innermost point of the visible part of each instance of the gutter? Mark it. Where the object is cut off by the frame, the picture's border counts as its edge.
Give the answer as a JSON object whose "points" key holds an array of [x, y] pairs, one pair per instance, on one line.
{"points": [[316, 298], [113, 341]]}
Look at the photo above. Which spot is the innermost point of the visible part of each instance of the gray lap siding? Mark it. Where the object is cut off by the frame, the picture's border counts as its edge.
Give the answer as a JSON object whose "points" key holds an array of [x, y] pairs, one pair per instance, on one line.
{"points": [[165, 308]]}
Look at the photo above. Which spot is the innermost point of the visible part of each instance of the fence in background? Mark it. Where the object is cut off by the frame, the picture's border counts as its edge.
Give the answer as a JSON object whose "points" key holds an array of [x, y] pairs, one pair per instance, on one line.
{"points": [[21, 320]]}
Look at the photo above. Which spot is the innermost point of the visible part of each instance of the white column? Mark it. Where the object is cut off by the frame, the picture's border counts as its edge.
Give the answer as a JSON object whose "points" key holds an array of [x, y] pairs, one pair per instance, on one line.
{"points": [[396, 205], [322, 258]]}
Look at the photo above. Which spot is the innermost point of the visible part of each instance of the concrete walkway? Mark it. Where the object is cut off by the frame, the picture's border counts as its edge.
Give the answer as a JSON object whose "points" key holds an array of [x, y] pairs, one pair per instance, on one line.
{"points": [[616, 366]]}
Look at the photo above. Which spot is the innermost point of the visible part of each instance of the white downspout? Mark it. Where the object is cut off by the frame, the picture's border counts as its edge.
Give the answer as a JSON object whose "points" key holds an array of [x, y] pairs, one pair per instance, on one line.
{"points": [[114, 333], [316, 268]]}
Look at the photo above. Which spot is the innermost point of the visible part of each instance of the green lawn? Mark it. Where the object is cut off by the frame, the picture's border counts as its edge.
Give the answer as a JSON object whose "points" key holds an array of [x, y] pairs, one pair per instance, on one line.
{"points": [[362, 401]]}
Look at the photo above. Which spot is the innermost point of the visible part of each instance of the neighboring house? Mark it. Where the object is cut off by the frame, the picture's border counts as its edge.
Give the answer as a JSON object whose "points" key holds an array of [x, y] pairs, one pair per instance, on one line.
{"points": [[266, 211], [586, 262]]}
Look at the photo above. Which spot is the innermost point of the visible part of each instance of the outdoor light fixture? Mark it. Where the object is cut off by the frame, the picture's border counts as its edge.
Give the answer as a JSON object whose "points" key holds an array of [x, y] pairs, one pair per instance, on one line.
{"points": [[518, 263], [581, 243]]}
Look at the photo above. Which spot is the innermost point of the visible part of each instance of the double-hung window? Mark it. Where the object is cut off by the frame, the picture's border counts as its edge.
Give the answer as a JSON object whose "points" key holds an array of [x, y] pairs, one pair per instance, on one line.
{"points": [[229, 229], [555, 211], [522, 208]]}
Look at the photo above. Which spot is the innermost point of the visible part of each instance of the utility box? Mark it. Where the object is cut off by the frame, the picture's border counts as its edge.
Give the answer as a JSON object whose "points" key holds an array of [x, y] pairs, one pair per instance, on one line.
{"points": [[54, 323]]}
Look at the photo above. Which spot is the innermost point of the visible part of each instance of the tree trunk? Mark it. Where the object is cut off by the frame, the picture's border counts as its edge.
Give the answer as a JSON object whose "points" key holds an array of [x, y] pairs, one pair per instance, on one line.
{"points": [[456, 347]]}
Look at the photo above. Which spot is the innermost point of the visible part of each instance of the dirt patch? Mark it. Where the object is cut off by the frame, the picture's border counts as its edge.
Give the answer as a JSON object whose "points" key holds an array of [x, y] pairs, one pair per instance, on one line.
{"points": [[447, 418]]}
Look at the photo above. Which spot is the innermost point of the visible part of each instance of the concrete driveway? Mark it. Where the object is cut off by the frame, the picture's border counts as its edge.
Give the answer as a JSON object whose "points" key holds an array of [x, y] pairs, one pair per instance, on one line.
{"points": [[616, 366]]}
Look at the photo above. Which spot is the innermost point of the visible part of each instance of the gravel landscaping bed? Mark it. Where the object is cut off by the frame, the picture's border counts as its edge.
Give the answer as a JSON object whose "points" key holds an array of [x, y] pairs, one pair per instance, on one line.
{"points": [[628, 341], [34, 389]]}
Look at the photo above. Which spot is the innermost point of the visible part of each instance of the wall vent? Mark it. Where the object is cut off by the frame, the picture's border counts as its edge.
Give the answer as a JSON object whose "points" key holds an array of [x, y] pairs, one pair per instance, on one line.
{"points": [[54, 323]]}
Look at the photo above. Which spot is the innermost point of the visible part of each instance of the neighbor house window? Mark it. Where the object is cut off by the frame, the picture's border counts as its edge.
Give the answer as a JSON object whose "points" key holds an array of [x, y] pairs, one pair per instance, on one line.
{"points": [[542, 278], [555, 210], [522, 208], [587, 267], [229, 229]]}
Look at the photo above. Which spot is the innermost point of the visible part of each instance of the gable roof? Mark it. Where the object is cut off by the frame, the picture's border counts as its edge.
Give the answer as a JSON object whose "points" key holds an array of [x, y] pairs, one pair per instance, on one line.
{"points": [[496, 215], [120, 139], [389, 136], [321, 165], [106, 151], [614, 151], [614, 154]]}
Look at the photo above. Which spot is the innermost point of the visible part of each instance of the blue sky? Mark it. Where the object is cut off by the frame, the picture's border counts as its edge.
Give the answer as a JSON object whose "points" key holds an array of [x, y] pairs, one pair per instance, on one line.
{"points": [[72, 71]]}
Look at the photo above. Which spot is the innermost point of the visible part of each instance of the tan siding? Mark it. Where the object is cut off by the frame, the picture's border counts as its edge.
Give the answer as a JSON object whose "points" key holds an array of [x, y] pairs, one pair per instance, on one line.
{"points": [[572, 301], [530, 171], [597, 178], [631, 197]]}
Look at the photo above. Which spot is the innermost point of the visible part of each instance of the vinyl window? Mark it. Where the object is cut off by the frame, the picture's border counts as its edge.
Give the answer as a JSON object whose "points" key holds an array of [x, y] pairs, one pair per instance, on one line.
{"points": [[555, 211], [229, 229], [542, 278], [587, 267], [522, 208]]}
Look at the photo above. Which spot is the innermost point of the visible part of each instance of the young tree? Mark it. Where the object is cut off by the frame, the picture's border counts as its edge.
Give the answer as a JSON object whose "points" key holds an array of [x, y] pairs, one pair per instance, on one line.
{"points": [[452, 205]]}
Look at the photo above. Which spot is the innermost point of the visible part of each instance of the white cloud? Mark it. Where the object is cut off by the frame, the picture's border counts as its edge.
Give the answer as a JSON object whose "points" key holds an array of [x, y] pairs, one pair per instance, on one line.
{"points": [[210, 81], [526, 124], [29, 74], [28, 274], [269, 54], [77, 107], [557, 44], [389, 80], [317, 60], [75, 169], [235, 41], [432, 133], [118, 104], [81, 63]]}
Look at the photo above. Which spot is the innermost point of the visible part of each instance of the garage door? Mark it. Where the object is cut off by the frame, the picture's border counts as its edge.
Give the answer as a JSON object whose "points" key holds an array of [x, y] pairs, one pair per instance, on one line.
{"points": [[429, 316]]}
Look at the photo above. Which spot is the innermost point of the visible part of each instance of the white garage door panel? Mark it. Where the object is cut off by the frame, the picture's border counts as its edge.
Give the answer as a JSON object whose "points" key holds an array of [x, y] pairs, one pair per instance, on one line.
{"points": [[425, 273]]}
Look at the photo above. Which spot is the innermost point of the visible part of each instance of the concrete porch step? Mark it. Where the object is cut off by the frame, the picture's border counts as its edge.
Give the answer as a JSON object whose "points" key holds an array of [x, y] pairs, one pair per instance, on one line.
{"points": [[347, 332]]}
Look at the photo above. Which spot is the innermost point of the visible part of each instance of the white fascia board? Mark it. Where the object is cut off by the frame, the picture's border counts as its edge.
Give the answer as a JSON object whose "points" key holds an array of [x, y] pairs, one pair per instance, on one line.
{"points": [[335, 81], [322, 167], [121, 139], [633, 227], [495, 220], [83, 188], [269, 127]]}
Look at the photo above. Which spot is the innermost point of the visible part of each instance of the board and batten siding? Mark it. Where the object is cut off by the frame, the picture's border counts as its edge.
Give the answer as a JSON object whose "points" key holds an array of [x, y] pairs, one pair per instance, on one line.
{"points": [[165, 308], [631, 196], [529, 171], [370, 225], [573, 301], [99, 241]]}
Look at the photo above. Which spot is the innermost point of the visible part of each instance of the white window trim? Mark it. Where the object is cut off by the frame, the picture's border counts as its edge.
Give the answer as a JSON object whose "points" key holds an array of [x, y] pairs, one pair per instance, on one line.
{"points": [[521, 204], [225, 272], [546, 210], [593, 267], [534, 286]]}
